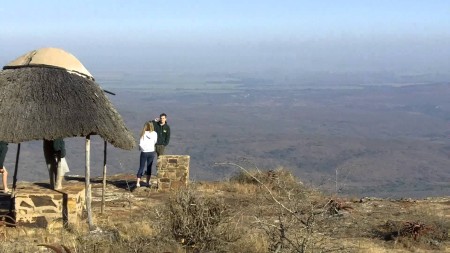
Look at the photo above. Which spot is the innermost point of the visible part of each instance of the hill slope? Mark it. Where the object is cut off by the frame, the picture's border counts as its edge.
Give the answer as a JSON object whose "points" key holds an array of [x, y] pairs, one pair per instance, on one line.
{"points": [[251, 212]]}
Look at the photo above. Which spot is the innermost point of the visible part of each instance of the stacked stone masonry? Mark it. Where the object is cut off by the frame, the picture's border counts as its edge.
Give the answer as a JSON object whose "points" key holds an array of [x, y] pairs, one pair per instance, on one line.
{"points": [[173, 171], [35, 204], [38, 205]]}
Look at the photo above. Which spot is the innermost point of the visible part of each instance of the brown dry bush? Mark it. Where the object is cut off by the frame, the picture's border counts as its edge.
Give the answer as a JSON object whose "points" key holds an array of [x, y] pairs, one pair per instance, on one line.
{"points": [[138, 244], [291, 223], [198, 222], [428, 233], [288, 212], [246, 177], [257, 177]]}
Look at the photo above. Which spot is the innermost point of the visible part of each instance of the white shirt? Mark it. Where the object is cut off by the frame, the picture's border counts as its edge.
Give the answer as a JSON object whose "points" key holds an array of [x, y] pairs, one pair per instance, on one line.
{"points": [[147, 142]]}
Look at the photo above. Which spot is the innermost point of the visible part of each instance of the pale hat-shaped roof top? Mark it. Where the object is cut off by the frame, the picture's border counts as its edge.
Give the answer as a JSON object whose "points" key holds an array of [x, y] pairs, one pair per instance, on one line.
{"points": [[52, 57]]}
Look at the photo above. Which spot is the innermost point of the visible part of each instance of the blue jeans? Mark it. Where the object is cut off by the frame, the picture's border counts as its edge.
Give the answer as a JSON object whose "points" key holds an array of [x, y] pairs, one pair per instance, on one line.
{"points": [[145, 157]]}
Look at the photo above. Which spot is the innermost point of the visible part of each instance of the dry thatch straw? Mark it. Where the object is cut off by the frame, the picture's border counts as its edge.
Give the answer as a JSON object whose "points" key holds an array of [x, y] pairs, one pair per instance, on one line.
{"points": [[48, 102]]}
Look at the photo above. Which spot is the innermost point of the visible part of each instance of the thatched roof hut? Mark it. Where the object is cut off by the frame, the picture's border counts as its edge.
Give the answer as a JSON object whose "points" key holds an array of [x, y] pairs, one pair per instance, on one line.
{"points": [[49, 94]]}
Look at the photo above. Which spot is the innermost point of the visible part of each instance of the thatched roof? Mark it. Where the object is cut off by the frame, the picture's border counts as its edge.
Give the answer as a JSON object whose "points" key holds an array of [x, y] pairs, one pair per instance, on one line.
{"points": [[42, 102]]}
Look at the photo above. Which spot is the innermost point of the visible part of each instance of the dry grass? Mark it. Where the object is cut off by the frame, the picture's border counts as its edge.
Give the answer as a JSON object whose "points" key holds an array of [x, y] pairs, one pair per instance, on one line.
{"points": [[254, 211]]}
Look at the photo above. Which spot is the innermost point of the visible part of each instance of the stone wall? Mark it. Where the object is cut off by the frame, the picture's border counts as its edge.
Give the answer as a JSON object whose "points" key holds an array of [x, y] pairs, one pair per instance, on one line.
{"points": [[40, 206], [173, 171], [35, 204]]}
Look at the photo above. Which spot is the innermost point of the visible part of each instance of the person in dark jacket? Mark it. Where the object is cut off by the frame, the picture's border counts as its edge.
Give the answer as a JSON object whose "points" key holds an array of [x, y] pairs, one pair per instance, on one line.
{"points": [[163, 131], [55, 153], [3, 151]]}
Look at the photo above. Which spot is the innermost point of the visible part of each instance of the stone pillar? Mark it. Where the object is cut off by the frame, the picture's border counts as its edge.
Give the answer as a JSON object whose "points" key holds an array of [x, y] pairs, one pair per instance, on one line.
{"points": [[173, 171]]}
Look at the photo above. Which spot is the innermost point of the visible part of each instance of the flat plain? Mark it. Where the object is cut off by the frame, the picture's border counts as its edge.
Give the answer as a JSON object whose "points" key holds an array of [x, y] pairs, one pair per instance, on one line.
{"points": [[387, 140]]}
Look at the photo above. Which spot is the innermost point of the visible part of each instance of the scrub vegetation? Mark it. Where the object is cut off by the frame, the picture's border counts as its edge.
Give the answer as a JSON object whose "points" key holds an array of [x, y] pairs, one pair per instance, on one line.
{"points": [[252, 211]]}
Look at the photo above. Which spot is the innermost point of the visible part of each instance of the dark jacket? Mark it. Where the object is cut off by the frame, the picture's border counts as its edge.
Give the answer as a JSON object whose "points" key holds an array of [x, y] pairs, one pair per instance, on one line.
{"points": [[3, 145], [163, 133], [59, 147], [3, 150]]}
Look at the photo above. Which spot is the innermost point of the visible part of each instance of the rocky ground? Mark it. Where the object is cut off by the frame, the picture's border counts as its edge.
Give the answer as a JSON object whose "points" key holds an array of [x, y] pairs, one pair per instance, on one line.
{"points": [[340, 224]]}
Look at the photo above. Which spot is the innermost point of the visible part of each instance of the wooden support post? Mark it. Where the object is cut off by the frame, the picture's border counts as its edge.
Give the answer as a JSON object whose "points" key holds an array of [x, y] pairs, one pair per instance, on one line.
{"points": [[104, 179], [16, 167], [88, 183]]}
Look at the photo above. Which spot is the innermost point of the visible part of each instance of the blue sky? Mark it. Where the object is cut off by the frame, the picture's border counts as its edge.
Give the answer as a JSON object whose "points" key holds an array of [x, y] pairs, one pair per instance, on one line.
{"points": [[322, 35]]}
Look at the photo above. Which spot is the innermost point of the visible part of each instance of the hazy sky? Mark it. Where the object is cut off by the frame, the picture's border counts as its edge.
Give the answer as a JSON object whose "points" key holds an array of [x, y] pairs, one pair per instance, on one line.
{"points": [[406, 36]]}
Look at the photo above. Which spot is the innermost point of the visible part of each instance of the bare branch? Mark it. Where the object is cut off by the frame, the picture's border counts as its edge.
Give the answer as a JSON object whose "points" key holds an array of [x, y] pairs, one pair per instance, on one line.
{"points": [[261, 183]]}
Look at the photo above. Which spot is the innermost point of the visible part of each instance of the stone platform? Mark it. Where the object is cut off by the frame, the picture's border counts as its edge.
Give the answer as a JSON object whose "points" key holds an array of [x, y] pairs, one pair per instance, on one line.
{"points": [[35, 204]]}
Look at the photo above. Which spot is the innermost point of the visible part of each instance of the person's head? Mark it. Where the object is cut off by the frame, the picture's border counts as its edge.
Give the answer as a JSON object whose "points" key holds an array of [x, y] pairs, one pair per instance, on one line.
{"points": [[163, 118], [148, 126]]}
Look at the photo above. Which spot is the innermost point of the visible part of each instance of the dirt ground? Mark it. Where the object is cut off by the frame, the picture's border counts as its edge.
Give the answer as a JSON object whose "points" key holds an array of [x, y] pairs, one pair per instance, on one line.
{"points": [[358, 225]]}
